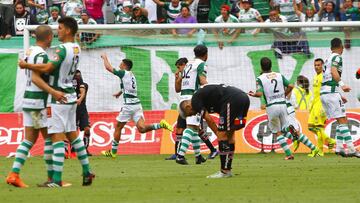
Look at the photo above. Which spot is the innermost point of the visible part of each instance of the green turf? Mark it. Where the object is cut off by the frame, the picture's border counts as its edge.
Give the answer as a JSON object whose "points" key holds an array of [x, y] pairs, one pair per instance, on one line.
{"points": [[258, 178]]}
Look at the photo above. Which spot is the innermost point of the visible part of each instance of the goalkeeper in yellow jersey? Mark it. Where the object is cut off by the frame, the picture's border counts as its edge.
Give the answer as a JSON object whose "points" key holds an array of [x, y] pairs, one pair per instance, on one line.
{"points": [[317, 117]]}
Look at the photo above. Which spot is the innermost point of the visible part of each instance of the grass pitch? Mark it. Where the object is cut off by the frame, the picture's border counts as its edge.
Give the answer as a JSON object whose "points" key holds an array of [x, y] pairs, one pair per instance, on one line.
{"points": [[149, 178]]}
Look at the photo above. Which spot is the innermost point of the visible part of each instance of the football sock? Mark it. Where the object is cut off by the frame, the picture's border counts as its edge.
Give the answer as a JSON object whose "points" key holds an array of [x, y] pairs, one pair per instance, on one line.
{"points": [[185, 141], [320, 140], [339, 140], [195, 141], [21, 155], [282, 141], [48, 152], [114, 147], [345, 132], [155, 126], [226, 154], [81, 153], [58, 161], [306, 141], [177, 142]]}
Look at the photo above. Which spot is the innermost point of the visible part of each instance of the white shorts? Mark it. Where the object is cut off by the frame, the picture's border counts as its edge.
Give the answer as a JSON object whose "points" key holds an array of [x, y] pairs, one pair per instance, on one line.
{"points": [[130, 112], [333, 105], [278, 117], [62, 118], [35, 119], [193, 120]]}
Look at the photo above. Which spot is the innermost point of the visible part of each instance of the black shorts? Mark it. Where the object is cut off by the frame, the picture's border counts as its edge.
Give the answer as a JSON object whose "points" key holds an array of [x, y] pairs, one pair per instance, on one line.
{"points": [[181, 123], [82, 118], [233, 113]]}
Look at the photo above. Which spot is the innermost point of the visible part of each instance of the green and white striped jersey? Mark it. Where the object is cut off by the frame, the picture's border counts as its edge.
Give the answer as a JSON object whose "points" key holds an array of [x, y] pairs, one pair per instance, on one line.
{"points": [[173, 12], [191, 76], [42, 15], [287, 9], [67, 57], [272, 85], [34, 97], [329, 85], [128, 86], [121, 17]]}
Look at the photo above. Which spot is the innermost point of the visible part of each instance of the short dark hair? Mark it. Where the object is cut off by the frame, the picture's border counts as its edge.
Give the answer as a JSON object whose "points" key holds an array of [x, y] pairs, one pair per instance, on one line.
{"points": [[187, 7], [77, 71], [319, 59], [70, 23], [265, 63], [200, 50], [304, 82], [181, 61], [42, 32], [336, 43], [128, 63]]}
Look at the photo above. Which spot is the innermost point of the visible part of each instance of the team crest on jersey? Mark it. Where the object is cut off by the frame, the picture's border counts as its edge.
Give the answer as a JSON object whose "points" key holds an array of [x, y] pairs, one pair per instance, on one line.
{"points": [[28, 52], [76, 50]]}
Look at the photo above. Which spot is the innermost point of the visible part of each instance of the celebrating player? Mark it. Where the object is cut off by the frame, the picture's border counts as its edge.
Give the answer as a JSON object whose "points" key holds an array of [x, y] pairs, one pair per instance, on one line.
{"points": [[62, 118], [34, 107], [317, 117], [132, 109], [274, 87], [332, 100], [193, 75], [232, 105]]}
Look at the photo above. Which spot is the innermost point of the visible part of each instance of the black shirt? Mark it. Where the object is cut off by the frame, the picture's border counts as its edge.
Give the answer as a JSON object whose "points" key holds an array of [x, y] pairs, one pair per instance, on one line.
{"points": [[77, 89], [203, 10], [212, 97]]}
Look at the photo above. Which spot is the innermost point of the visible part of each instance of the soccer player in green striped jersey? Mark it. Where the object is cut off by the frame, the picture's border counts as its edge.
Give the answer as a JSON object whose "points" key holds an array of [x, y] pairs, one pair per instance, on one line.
{"points": [[62, 120], [34, 107], [132, 109]]}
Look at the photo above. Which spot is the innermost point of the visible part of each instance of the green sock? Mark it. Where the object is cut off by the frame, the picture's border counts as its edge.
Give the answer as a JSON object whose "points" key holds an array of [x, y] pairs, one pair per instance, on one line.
{"points": [[345, 132], [114, 147], [282, 141], [81, 153], [185, 141], [21, 155], [195, 141], [306, 142], [48, 152], [58, 160]]}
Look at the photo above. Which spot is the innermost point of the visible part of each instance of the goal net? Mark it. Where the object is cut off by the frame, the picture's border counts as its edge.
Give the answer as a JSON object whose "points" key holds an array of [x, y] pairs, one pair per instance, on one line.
{"points": [[292, 47]]}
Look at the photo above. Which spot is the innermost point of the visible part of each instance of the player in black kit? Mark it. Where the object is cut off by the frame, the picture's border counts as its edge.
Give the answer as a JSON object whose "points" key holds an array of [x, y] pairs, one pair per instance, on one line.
{"points": [[82, 116], [232, 105]]}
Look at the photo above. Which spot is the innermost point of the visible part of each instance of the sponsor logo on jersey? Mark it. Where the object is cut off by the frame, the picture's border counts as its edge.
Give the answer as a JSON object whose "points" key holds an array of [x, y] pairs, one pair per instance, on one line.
{"points": [[76, 50]]}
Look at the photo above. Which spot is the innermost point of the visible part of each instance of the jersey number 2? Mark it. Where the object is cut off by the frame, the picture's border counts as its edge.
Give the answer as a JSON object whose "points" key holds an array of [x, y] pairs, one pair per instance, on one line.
{"points": [[275, 86]]}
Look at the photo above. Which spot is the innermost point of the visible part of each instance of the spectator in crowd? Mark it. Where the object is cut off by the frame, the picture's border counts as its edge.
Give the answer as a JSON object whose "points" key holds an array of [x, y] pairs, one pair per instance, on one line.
{"points": [[21, 18], [286, 8], [327, 11], [226, 17], [139, 16], [6, 17], [301, 94], [309, 16], [263, 6], [215, 8], [73, 9], [94, 8], [59, 4], [249, 15], [173, 8], [184, 17], [6, 13], [87, 37], [287, 42], [123, 14], [41, 10], [53, 19], [348, 13], [200, 10]]}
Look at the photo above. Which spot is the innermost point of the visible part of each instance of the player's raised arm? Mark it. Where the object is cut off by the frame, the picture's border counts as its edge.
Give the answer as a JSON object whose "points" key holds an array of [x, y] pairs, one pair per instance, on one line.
{"points": [[42, 68], [159, 3], [107, 63]]}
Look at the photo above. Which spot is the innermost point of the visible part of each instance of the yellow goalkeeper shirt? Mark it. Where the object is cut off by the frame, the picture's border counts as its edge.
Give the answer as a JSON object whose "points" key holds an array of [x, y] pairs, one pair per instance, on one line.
{"points": [[316, 87]]}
